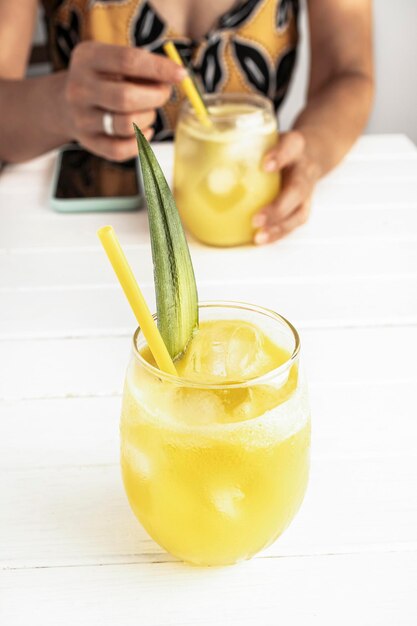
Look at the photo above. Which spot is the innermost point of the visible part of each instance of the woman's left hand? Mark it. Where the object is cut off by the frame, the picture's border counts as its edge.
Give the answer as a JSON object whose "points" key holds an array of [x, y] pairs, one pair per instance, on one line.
{"points": [[299, 175]]}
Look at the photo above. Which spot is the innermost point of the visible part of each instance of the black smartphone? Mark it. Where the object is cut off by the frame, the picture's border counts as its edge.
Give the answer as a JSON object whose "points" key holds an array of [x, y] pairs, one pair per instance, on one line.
{"points": [[86, 182]]}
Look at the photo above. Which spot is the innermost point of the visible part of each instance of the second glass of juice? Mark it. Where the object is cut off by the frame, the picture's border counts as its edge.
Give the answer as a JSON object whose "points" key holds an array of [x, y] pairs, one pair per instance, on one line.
{"points": [[215, 461], [219, 180]]}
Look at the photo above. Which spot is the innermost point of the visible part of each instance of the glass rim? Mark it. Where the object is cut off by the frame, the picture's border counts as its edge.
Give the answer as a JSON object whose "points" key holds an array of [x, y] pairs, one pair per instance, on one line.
{"points": [[256, 380], [261, 102]]}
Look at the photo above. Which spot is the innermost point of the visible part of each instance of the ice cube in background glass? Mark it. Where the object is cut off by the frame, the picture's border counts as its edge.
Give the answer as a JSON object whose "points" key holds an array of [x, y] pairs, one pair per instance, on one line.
{"points": [[252, 121], [226, 500], [222, 188], [221, 180], [246, 148]]}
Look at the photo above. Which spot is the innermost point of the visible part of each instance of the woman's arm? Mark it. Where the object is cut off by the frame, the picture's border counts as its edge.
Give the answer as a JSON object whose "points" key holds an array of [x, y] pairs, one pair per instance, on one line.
{"points": [[29, 125], [341, 80], [338, 105], [17, 24], [30, 117], [39, 114]]}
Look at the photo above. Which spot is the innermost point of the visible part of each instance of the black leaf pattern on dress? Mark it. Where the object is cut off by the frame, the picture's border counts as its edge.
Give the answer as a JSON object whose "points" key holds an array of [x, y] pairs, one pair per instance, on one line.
{"points": [[185, 50], [283, 75], [148, 27], [238, 15], [254, 65], [285, 9], [211, 70], [93, 2], [67, 37]]}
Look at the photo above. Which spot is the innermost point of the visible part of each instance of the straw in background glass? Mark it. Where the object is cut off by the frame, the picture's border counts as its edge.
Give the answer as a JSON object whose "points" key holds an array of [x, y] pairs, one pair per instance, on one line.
{"points": [[189, 87]]}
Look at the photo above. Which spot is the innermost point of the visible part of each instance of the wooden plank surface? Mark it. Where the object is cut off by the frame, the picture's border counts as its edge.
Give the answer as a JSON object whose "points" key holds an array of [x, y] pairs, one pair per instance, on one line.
{"points": [[78, 515], [92, 311], [292, 261], [362, 589], [48, 231], [59, 368], [71, 552], [379, 173]]}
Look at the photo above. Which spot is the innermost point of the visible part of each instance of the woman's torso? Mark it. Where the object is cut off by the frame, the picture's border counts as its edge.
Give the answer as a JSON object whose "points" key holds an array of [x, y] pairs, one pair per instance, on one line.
{"points": [[249, 48]]}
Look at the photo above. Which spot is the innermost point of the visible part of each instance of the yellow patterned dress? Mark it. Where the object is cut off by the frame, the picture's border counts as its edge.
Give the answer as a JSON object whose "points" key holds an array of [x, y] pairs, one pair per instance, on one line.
{"points": [[251, 48]]}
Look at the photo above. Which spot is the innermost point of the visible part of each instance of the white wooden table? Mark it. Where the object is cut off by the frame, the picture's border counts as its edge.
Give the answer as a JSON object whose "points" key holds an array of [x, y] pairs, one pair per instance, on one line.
{"points": [[71, 551]]}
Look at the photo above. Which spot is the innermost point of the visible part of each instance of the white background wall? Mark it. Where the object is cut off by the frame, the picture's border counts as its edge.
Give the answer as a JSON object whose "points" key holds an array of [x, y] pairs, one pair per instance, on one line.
{"points": [[395, 43], [395, 110]]}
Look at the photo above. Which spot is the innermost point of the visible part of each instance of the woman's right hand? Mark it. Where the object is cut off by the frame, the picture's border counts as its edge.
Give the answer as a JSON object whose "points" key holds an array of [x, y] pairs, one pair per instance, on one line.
{"points": [[130, 83]]}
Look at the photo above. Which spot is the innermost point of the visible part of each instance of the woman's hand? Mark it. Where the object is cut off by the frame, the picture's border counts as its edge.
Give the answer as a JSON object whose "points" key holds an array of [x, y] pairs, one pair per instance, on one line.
{"points": [[299, 176], [130, 83]]}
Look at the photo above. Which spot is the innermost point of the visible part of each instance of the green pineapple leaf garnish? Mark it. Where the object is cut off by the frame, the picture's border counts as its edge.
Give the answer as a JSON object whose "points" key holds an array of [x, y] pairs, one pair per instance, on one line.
{"points": [[175, 286]]}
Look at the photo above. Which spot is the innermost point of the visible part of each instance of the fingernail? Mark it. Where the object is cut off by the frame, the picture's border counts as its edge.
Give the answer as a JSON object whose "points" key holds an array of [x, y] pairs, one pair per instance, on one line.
{"points": [[270, 165], [261, 237], [181, 73], [259, 220]]}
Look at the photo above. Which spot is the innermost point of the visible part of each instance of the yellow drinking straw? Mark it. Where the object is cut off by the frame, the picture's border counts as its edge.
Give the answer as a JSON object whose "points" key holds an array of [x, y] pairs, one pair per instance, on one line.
{"points": [[188, 85], [136, 300]]}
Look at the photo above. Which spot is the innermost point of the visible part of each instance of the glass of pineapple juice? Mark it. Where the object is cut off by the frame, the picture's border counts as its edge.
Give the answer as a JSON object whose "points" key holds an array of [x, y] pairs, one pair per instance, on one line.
{"points": [[219, 181], [215, 461]]}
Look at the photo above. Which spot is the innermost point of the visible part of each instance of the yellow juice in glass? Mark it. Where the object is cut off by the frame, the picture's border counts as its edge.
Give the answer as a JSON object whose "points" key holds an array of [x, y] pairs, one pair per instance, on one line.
{"points": [[219, 181], [215, 462]]}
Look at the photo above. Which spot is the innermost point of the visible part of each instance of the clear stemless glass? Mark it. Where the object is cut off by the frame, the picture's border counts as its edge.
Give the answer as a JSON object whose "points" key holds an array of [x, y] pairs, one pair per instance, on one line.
{"points": [[219, 181], [216, 472]]}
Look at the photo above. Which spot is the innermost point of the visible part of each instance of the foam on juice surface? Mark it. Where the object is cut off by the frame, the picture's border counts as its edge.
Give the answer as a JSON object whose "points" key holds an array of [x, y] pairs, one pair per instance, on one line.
{"points": [[220, 362], [251, 120]]}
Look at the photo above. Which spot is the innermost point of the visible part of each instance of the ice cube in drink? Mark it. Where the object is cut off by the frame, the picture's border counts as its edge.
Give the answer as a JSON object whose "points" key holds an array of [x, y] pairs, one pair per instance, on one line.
{"points": [[223, 449]]}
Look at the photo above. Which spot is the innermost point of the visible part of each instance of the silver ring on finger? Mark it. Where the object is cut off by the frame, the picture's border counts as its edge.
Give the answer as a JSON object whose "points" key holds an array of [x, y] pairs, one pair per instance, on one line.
{"points": [[108, 124]]}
